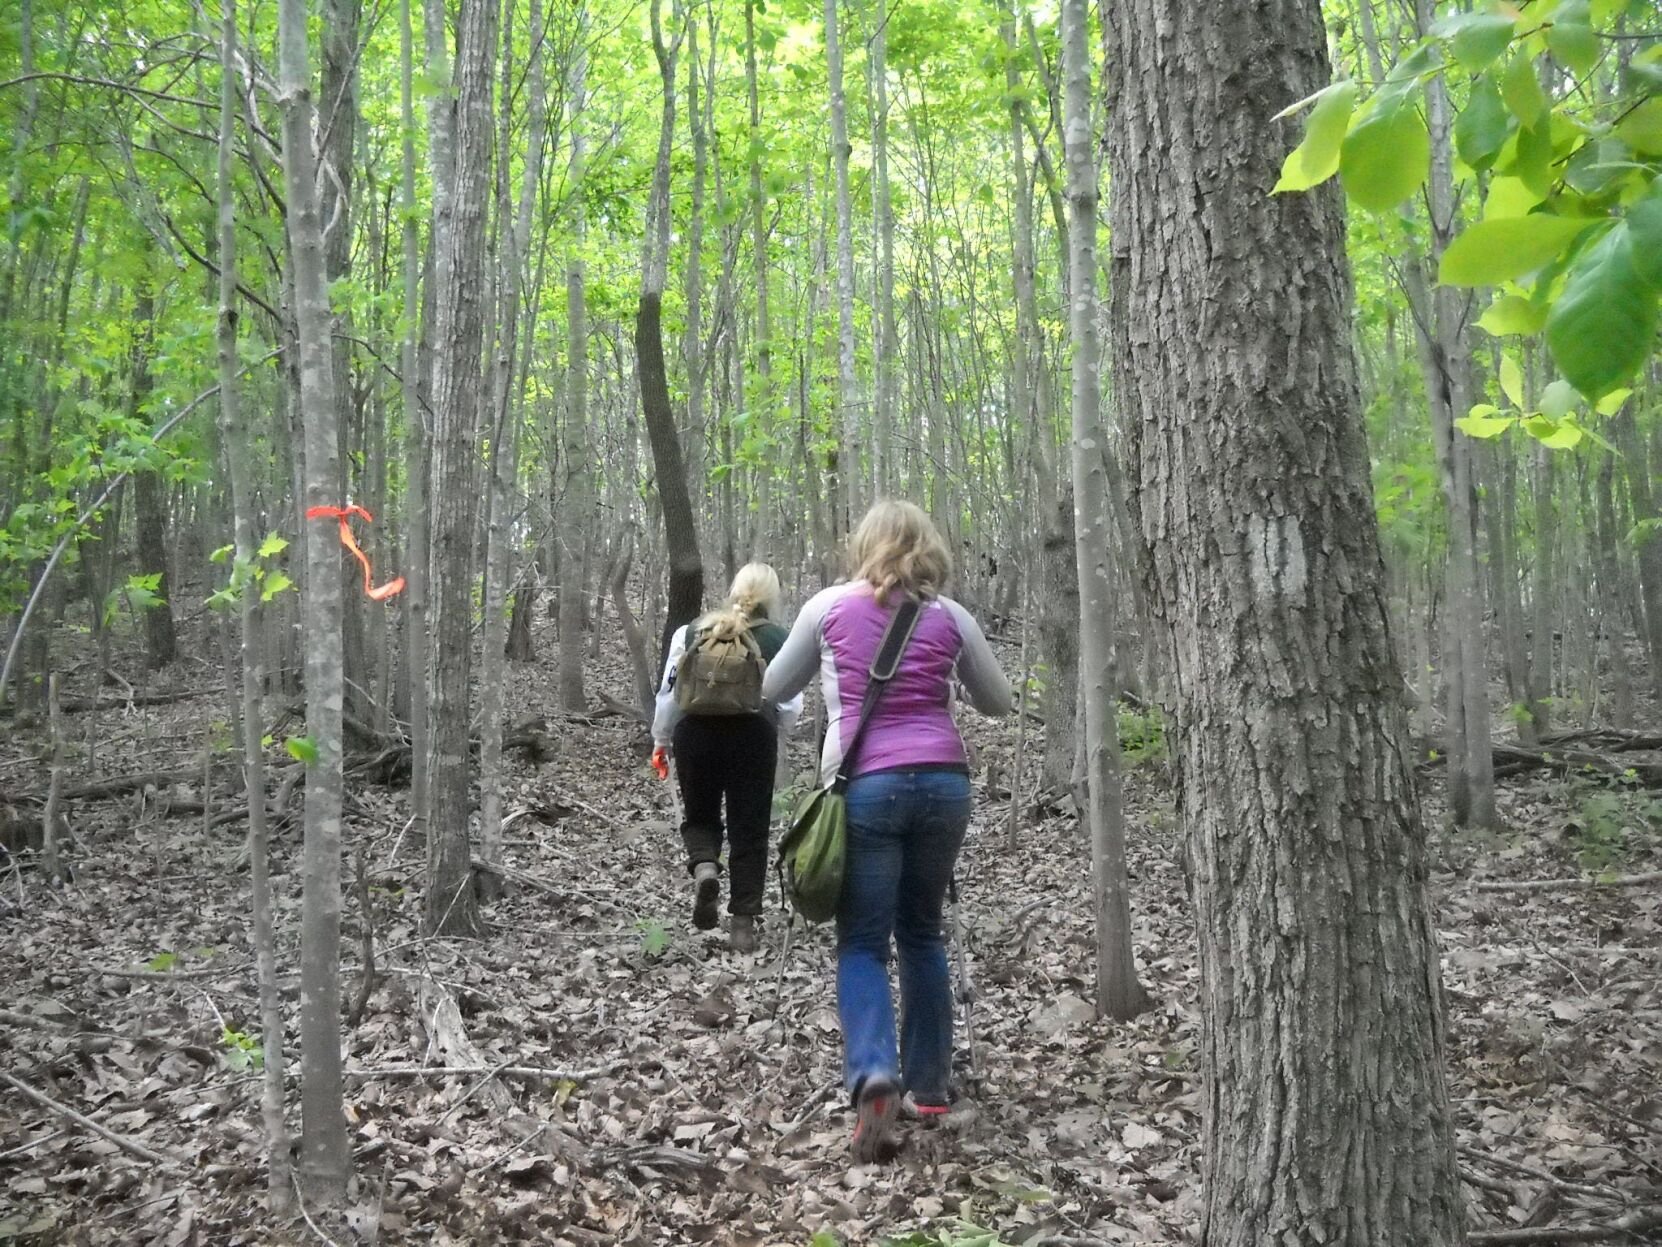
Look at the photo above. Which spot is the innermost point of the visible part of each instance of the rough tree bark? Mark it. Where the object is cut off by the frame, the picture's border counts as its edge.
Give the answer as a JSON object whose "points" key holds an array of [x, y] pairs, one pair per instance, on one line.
{"points": [[1118, 993], [324, 1156], [1326, 1119], [458, 382]]}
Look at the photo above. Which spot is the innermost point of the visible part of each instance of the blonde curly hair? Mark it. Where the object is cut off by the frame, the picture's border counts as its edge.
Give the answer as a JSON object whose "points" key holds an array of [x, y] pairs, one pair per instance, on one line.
{"points": [[897, 546], [755, 594]]}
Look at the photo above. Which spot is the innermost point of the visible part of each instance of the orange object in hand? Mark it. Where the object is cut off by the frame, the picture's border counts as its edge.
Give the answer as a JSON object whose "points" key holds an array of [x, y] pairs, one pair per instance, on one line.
{"points": [[385, 591], [660, 761]]}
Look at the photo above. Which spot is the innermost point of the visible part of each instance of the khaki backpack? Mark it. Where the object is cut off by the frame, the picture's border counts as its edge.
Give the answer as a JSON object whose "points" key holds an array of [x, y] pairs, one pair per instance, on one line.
{"points": [[720, 675]]}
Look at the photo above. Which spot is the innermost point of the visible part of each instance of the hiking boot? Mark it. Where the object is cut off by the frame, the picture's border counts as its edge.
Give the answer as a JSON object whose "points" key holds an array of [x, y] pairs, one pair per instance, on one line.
{"points": [[879, 1104], [706, 895], [930, 1110], [742, 933]]}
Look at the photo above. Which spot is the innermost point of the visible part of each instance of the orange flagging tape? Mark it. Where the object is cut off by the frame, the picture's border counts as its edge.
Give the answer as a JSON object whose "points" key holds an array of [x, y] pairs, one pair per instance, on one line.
{"points": [[346, 539]]}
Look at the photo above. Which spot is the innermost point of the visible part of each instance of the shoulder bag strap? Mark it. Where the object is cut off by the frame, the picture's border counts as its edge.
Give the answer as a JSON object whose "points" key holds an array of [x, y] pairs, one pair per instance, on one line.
{"points": [[881, 671]]}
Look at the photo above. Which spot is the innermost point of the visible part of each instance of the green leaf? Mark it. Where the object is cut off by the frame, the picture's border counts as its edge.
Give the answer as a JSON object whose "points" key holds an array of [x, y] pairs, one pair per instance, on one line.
{"points": [[221, 554], [1603, 327], [1558, 399], [1512, 314], [302, 749], [1532, 158], [1571, 38], [1556, 434], [1476, 39], [1605, 12], [1612, 402], [1642, 128], [1502, 248], [1385, 157], [161, 963], [1481, 128], [1644, 225], [1484, 421], [1509, 197], [273, 545], [1521, 89], [1511, 381], [274, 583], [1316, 158]]}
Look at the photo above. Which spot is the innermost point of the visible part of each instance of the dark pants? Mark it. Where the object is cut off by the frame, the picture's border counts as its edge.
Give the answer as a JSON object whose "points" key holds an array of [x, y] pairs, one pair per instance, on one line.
{"points": [[728, 756]]}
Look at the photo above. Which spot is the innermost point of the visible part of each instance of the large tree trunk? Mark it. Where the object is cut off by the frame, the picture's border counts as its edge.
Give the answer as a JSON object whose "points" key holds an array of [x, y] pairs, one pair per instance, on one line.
{"points": [[686, 567], [324, 1156], [239, 455], [1326, 1118], [1118, 993], [458, 382]]}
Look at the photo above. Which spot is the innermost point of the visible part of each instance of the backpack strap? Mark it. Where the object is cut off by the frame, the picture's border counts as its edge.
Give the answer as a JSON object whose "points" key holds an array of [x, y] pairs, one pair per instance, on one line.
{"points": [[878, 675]]}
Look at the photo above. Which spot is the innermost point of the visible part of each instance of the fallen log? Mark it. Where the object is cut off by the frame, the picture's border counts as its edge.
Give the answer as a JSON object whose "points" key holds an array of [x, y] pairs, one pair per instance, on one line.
{"points": [[1569, 885], [1512, 760]]}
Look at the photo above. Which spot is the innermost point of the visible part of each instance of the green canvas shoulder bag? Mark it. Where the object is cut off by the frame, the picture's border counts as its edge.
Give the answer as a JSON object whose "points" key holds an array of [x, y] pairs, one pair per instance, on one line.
{"points": [[812, 852]]}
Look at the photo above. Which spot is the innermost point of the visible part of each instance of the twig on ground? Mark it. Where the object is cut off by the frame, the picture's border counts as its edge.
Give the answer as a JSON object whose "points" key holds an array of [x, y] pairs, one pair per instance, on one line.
{"points": [[1568, 885], [1529, 1171], [131, 1147], [1633, 1224], [816, 1104], [474, 1071]]}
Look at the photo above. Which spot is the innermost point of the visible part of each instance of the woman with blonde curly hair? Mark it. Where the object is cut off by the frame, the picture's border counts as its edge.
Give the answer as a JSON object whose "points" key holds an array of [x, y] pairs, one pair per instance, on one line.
{"points": [[727, 756], [908, 802]]}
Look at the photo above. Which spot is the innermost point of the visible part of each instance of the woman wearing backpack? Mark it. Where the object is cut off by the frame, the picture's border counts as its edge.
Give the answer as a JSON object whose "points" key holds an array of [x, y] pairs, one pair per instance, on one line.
{"points": [[908, 802], [725, 741]]}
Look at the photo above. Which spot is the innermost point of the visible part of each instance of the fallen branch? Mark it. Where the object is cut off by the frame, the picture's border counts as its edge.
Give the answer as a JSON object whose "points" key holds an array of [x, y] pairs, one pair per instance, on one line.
{"points": [[547, 889], [1635, 1223], [1569, 885], [474, 1071], [127, 1145]]}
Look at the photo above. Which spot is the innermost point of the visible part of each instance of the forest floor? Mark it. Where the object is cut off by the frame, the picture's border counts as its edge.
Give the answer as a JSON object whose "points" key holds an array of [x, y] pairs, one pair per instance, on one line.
{"points": [[646, 1085]]}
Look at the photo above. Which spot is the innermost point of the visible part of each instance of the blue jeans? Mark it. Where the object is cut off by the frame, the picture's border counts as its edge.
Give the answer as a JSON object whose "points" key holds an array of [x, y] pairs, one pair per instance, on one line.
{"points": [[904, 832]]}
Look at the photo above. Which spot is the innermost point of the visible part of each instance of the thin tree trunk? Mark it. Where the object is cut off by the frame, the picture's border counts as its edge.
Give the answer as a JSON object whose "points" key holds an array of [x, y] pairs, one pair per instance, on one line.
{"points": [[848, 490], [577, 511], [885, 346], [458, 382], [686, 567], [1118, 993], [324, 1156], [417, 442], [239, 455], [1543, 597], [1322, 1043], [1609, 596], [149, 508], [338, 122], [764, 400], [1641, 491]]}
